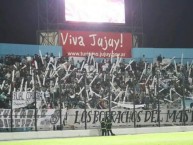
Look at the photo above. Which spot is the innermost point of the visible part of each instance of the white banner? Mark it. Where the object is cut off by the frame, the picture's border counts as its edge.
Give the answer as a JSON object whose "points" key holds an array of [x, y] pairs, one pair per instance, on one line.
{"points": [[25, 118], [23, 99], [125, 118], [48, 118]]}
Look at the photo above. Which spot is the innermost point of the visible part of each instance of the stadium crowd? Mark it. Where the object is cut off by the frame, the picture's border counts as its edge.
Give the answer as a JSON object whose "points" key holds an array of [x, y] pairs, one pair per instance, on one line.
{"points": [[68, 83]]}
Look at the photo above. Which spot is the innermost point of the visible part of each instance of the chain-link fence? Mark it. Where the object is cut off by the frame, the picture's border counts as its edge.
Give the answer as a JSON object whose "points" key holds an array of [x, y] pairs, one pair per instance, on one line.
{"points": [[49, 93]]}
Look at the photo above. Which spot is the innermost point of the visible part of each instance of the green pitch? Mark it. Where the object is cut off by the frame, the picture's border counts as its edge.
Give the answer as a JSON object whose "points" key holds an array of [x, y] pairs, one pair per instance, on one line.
{"points": [[183, 138]]}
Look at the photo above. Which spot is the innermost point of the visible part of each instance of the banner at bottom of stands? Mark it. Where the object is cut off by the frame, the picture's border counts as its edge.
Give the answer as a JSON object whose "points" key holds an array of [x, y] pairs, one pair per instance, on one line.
{"points": [[48, 118]]}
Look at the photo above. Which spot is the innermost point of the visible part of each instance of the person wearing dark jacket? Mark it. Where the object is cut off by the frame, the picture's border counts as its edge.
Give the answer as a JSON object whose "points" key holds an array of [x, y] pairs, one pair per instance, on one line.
{"points": [[103, 127], [109, 127]]}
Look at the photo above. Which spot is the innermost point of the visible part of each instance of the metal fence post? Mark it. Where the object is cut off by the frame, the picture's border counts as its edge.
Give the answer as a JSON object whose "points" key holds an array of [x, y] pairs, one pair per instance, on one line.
{"points": [[11, 106], [59, 83], [85, 101], [35, 100], [158, 98]]}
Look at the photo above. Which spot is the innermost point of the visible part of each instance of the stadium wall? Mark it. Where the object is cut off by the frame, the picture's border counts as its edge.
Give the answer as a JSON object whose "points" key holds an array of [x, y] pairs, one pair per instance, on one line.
{"points": [[137, 53], [22, 49], [151, 53], [87, 133]]}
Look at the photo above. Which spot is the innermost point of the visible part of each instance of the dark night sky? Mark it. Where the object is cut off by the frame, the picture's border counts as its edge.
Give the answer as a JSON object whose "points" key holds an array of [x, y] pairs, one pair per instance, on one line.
{"points": [[166, 23]]}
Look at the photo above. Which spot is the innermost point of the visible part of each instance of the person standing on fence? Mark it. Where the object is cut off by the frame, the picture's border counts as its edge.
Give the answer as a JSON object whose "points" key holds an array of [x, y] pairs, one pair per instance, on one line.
{"points": [[109, 127], [103, 127]]}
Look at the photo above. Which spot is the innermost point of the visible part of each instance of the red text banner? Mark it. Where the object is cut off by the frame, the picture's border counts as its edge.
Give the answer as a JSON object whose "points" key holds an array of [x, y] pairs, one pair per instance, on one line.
{"points": [[98, 44]]}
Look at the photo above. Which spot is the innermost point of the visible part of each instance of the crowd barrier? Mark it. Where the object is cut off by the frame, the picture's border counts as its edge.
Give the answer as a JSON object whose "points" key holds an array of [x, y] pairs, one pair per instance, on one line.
{"points": [[88, 133]]}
